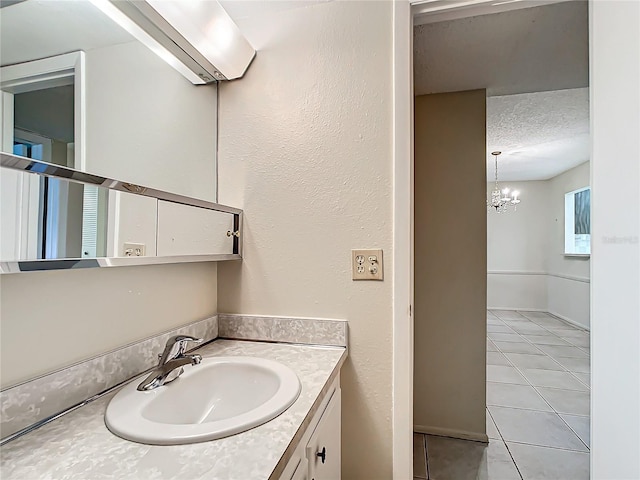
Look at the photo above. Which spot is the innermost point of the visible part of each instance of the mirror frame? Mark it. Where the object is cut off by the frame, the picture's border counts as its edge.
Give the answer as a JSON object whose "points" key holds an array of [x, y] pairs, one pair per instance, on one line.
{"points": [[36, 167]]}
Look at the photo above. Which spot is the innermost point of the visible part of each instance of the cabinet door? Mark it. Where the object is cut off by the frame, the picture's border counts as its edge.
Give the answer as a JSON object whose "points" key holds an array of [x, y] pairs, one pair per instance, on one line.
{"points": [[301, 471], [323, 449]]}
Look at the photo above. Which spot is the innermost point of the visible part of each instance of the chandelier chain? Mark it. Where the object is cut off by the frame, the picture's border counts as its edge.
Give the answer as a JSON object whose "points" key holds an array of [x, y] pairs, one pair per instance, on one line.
{"points": [[500, 201]]}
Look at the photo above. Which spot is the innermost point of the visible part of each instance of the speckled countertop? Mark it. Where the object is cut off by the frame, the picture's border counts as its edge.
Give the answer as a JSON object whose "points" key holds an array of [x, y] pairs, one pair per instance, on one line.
{"points": [[79, 446]]}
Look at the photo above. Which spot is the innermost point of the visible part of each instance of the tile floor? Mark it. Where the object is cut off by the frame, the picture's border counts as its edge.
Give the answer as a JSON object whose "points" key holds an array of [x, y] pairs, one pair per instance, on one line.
{"points": [[537, 407]]}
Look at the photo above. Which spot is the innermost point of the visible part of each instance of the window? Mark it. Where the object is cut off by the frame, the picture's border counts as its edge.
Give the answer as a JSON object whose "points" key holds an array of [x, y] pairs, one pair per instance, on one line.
{"points": [[577, 222]]}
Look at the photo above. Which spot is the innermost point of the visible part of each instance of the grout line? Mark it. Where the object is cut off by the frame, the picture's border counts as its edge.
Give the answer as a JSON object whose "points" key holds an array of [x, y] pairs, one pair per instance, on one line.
{"points": [[588, 452], [534, 387], [582, 382], [571, 428], [513, 459], [426, 455], [504, 442], [528, 409], [519, 370]]}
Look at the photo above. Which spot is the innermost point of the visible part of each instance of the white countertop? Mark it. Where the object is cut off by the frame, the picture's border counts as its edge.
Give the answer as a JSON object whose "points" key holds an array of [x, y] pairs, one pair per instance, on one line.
{"points": [[79, 446]]}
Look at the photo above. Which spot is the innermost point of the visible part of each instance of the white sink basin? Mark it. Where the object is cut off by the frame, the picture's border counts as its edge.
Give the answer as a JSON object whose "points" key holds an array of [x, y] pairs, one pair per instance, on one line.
{"points": [[219, 397]]}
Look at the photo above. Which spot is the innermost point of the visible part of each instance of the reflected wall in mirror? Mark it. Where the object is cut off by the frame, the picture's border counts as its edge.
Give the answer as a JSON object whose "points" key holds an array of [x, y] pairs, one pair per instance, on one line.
{"points": [[65, 219], [112, 108], [51, 212]]}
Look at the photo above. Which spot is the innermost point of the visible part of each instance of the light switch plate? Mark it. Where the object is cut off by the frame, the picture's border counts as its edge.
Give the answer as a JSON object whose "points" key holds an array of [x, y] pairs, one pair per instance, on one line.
{"points": [[367, 264]]}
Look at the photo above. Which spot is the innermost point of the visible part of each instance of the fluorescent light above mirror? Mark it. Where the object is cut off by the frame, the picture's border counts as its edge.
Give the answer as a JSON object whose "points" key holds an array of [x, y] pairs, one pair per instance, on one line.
{"points": [[197, 38]]}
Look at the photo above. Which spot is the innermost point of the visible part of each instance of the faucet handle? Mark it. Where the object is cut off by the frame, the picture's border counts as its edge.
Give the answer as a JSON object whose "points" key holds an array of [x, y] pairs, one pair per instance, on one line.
{"points": [[176, 346]]}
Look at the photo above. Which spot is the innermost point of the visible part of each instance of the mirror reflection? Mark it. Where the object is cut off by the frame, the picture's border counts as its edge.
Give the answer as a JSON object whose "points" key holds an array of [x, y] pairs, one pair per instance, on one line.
{"points": [[46, 218], [79, 91]]}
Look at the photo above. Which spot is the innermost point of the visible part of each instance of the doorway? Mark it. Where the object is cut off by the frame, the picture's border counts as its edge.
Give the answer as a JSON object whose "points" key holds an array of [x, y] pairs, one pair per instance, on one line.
{"points": [[507, 54]]}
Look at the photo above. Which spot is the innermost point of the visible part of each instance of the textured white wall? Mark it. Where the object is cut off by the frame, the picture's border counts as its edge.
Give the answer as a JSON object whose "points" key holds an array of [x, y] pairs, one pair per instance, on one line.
{"points": [[568, 297], [305, 148], [517, 250], [615, 266], [527, 268], [53, 319]]}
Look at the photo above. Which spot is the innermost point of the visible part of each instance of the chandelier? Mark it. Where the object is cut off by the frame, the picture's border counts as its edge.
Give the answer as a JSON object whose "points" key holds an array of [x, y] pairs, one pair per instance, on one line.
{"points": [[500, 201]]}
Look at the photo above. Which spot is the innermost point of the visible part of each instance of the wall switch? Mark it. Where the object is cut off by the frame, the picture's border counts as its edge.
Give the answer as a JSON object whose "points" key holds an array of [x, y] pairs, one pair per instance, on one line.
{"points": [[133, 249], [366, 265]]}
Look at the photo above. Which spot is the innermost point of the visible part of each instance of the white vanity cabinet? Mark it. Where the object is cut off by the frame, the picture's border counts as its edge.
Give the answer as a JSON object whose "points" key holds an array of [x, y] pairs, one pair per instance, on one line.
{"points": [[318, 455]]}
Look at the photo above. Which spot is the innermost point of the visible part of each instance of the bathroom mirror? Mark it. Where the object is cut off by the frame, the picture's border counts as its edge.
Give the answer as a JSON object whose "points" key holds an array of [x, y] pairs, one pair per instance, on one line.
{"points": [[55, 217], [79, 91]]}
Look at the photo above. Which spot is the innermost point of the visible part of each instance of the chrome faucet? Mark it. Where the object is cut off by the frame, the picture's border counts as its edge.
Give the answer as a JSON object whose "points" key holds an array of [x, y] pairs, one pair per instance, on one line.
{"points": [[171, 362]]}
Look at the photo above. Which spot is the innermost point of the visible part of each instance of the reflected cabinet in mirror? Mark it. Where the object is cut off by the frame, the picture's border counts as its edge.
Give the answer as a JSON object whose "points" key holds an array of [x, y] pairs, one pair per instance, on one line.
{"points": [[78, 90], [55, 217]]}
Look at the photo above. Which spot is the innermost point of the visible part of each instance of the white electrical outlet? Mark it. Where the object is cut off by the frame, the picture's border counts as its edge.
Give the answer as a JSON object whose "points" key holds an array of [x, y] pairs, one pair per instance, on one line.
{"points": [[133, 249], [366, 265]]}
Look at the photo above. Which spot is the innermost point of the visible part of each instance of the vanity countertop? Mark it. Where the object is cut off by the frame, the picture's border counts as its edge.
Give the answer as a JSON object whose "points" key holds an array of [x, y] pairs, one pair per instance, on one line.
{"points": [[78, 444]]}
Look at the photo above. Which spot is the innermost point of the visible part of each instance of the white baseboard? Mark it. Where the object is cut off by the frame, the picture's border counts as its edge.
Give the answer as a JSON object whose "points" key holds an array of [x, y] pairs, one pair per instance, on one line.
{"points": [[451, 433], [571, 322]]}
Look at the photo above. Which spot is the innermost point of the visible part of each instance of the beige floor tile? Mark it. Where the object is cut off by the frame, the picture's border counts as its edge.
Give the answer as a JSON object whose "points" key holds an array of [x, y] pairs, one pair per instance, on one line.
{"points": [[494, 321], [566, 401], [579, 342], [545, 340], [563, 351], [523, 360], [575, 333], [551, 378], [499, 329], [419, 456], [550, 322], [452, 459], [492, 430], [491, 346], [583, 377], [540, 463], [505, 337], [580, 425], [497, 463], [529, 329], [518, 322], [497, 358], [517, 396], [578, 365], [516, 347], [508, 315], [534, 314], [504, 374], [535, 428]]}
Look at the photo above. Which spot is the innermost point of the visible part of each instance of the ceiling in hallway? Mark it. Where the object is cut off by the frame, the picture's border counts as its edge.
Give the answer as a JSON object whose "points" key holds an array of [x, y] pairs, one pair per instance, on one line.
{"points": [[534, 64], [520, 51]]}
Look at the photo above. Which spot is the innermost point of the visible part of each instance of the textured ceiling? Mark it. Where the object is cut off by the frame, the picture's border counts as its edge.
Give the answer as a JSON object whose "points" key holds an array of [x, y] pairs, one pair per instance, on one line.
{"points": [[521, 51], [534, 64], [540, 134]]}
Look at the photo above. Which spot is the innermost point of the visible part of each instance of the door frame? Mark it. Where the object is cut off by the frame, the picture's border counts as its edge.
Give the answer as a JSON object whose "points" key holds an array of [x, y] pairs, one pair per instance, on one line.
{"points": [[404, 12], [49, 72]]}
